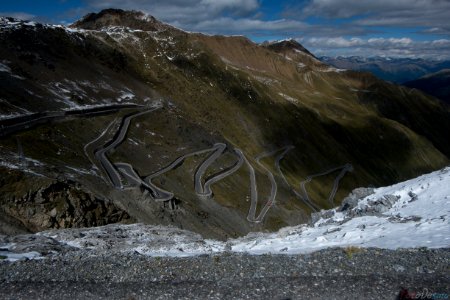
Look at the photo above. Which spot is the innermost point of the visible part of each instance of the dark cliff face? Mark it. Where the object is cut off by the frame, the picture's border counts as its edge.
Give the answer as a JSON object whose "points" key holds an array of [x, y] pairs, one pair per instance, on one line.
{"points": [[56, 205], [398, 70], [212, 89]]}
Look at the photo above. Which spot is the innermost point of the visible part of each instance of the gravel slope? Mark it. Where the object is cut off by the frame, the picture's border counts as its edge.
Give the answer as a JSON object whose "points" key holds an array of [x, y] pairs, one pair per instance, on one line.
{"points": [[328, 274]]}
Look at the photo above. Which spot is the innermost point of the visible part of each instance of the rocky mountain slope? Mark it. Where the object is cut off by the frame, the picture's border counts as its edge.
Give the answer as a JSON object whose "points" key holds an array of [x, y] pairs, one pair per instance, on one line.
{"points": [[398, 70], [214, 134], [436, 84], [409, 214]]}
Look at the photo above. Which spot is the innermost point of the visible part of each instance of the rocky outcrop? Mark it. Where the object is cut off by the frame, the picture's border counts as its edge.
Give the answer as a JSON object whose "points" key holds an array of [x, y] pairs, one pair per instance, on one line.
{"points": [[374, 206], [61, 205], [351, 207], [357, 194]]}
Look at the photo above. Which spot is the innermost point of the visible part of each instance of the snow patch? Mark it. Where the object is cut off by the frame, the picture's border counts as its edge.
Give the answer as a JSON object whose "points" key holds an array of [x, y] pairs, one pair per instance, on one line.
{"points": [[331, 69], [126, 95], [12, 257], [288, 98]]}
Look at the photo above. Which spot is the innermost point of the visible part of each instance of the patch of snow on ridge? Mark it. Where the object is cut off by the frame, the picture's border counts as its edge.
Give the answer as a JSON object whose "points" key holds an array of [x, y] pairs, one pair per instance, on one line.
{"points": [[12, 257], [126, 95], [331, 69], [410, 214], [4, 68], [288, 98]]}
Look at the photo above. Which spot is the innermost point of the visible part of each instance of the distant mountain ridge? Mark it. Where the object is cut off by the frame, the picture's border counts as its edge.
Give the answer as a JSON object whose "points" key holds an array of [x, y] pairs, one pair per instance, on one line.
{"points": [[436, 84], [287, 44], [397, 70]]}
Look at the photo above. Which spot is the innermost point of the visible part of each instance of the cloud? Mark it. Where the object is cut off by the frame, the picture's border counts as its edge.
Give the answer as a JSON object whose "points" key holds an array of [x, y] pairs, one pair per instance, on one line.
{"points": [[239, 6], [346, 27], [18, 15], [211, 16], [338, 42], [400, 13], [186, 12], [392, 47], [250, 25]]}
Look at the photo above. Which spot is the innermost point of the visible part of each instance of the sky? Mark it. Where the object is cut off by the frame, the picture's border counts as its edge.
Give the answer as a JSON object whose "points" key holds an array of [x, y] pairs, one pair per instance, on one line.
{"points": [[392, 28]]}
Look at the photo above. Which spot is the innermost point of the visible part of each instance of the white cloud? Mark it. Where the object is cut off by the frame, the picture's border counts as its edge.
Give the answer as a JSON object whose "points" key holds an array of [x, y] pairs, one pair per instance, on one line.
{"points": [[18, 15], [212, 16], [244, 6], [390, 42], [367, 18], [393, 47], [186, 12], [403, 13], [250, 25], [339, 42]]}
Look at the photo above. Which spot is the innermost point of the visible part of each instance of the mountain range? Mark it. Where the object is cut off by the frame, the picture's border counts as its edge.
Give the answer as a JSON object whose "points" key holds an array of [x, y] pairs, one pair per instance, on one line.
{"points": [[397, 70], [436, 84], [122, 118]]}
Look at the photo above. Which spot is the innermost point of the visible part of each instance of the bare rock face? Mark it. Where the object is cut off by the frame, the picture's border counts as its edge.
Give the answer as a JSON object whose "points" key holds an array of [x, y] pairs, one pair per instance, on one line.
{"points": [[357, 194], [62, 205]]}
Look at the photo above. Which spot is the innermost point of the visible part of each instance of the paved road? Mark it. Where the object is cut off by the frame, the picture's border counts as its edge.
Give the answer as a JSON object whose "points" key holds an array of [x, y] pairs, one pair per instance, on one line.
{"points": [[307, 201], [114, 171], [251, 217], [345, 168], [17, 124], [100, 154], [217, 152], [207, 192], [162, 195], [279, 158], [166, 195], [92, 144], [133, 177]]}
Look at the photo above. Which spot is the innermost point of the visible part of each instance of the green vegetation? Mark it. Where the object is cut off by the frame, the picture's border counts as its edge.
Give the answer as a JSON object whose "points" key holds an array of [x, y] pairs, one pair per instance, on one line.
{"points": [[352, 250]]}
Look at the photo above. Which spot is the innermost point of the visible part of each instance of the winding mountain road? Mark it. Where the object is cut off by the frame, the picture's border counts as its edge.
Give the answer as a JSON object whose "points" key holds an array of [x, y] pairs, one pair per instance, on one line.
{"points": [[20, 123], [207, 192], [163, 195], [92, 143], [100, 154], [251, 217], [116, 171], [158, 194], [345, 168], [217, 149], [307, 201]]}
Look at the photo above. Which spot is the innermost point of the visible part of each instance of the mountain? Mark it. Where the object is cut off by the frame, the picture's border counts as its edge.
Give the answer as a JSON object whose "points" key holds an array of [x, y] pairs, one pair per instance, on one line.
{"points": [[287, 45], [436, 84], [122, 118], [398, 70]]}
